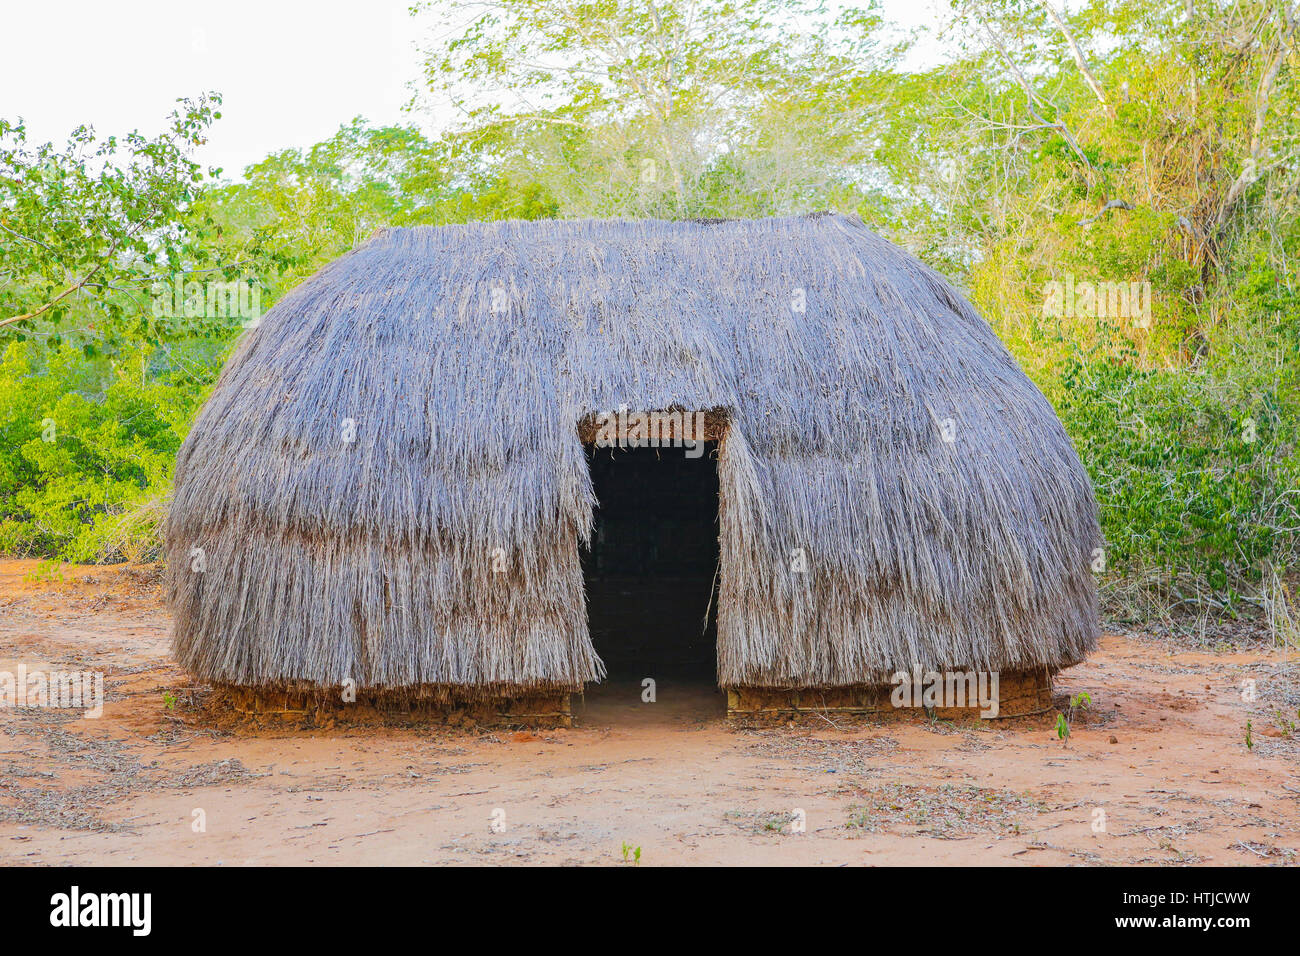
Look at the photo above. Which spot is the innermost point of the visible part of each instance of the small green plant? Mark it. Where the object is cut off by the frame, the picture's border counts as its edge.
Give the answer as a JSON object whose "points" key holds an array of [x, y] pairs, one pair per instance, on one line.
{"points": [[1250, 740], [861, 820], [631, 854], [1079, 701], [169, 700], [47, 572], [1285, 723]]}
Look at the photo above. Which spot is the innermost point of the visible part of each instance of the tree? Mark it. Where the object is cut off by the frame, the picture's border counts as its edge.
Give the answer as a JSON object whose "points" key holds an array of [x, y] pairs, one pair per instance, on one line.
{"points": [[676, 108], [93, 224]]}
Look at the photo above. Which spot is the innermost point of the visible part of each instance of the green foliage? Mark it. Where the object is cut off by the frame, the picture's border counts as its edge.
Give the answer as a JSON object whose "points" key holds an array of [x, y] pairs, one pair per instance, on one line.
{"points": [[98, 384], [1195, 469], [1186, 416], [90, 225], [87, 453]]}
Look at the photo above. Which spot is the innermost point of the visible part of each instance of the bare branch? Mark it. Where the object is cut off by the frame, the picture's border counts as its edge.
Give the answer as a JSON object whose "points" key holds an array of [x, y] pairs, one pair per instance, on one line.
{"points": [[1251, 167], [1113, 204], [1034, 98], [1088, 75]]}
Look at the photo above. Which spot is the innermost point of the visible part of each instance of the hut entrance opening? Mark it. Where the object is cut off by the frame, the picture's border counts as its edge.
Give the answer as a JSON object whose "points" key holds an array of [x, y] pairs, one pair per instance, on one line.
{"points": [[650, 573]]}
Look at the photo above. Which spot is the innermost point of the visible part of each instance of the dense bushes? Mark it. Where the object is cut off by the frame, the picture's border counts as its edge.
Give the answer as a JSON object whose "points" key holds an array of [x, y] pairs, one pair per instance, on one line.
{"points": [[1196, 474], [88, 449]]}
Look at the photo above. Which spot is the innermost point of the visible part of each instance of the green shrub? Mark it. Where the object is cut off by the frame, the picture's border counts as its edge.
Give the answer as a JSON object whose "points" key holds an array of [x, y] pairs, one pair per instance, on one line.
{"points": [[1195, 470], [85, 467]]}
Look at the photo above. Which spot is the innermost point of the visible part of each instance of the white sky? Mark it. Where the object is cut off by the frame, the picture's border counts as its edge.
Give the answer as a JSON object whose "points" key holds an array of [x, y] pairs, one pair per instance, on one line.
{"points": [[290, 71]]}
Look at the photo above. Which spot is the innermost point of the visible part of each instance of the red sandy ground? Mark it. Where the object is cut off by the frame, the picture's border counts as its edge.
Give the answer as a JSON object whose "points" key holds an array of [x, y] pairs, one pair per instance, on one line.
{"points": [[1161, 751]]}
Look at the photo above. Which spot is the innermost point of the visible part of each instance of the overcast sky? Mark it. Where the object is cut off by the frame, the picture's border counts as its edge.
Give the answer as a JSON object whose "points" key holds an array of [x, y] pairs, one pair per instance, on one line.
{"points": [[290, 71]]}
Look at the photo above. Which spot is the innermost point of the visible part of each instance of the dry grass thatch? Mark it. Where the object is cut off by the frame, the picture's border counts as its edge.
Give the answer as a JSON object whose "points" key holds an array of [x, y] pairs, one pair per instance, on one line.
{"points": [[467, 355]]}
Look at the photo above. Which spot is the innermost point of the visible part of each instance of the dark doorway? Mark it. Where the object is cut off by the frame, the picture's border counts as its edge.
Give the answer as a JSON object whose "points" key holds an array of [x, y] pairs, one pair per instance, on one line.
{"points": [[651, 571]]}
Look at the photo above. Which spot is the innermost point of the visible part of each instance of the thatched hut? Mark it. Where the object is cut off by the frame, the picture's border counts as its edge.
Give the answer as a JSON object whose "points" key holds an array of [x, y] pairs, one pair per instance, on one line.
{"points": [[389, 486]]}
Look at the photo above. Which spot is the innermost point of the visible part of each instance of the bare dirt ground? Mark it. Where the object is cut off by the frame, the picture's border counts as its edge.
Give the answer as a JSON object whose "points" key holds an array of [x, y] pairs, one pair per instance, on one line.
{"points": [[1161, 753]]}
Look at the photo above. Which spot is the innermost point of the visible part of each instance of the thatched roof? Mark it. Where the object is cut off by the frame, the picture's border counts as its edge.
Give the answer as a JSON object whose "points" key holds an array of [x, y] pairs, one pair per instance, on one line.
{"points": [[371, 559]]}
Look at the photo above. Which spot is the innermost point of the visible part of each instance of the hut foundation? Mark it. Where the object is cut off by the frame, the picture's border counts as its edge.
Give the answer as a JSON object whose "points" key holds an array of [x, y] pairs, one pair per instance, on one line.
{"points": [[1020, 694], [538, 709]]}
